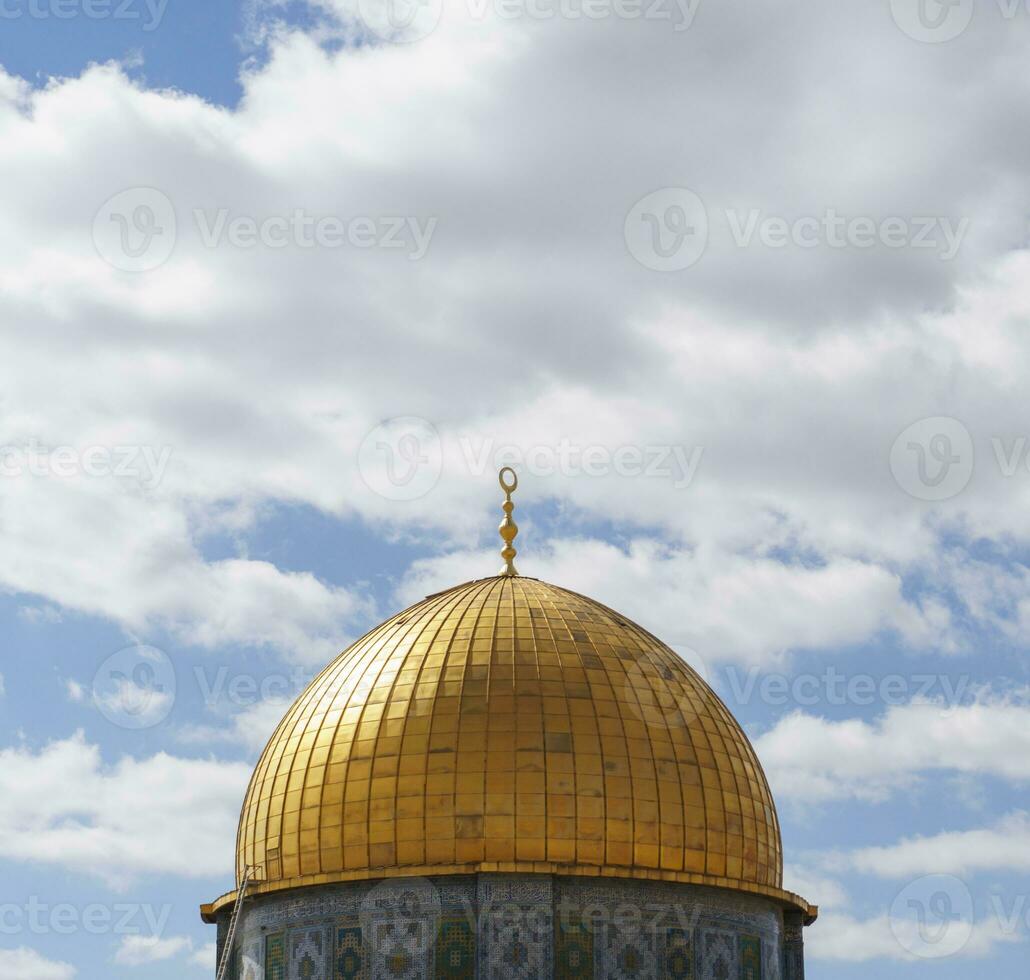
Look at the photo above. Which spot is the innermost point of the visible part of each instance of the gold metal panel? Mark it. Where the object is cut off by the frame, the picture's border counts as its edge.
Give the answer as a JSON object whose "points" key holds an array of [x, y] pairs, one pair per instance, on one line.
{"points": [[504, 724]]}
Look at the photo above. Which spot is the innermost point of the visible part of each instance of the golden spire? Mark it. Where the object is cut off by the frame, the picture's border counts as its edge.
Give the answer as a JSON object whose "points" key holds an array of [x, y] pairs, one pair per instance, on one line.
{"points": [[508, 527]]}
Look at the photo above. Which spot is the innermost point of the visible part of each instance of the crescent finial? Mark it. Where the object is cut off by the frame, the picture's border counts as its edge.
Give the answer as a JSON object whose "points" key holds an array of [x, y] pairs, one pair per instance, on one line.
{"points": [[508, 527]]}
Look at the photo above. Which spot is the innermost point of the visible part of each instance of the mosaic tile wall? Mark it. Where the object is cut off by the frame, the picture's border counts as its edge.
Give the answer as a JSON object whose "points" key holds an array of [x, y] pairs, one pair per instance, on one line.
{"points": [[513, 927]]}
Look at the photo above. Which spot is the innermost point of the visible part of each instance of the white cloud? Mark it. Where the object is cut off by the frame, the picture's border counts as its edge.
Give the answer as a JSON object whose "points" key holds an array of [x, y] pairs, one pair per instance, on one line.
{"points": [[140, 950], [63, 805], [725, 607], [252, 726], [27, 964], [815, 887], [39, 614], [847, 938], [204, 957], [152, 705], [261, 370], [160, 580], [845, 933], [1005, 846], [811, 760]]}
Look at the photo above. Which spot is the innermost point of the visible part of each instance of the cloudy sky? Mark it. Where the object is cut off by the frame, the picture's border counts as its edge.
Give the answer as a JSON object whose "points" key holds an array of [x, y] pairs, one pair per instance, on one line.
{"points": [[741, 289]]}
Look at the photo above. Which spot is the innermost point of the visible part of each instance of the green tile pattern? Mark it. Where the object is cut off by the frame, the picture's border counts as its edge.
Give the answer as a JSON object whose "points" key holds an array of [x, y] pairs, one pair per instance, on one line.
{"points": [[574, 950], [455, 950], [349, 953], [275, 957], [750, 958], [679, 955]]}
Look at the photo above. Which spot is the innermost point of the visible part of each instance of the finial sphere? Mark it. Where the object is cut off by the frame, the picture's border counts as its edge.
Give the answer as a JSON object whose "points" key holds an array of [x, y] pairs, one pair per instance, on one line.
{"points": [[508, 527]]}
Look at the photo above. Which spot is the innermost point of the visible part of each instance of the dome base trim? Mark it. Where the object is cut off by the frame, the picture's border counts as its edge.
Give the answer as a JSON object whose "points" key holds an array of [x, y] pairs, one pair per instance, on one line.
{"points": [[209, 912]]}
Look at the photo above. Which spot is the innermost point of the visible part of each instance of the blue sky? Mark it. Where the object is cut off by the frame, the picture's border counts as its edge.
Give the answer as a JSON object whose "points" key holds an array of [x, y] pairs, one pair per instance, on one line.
{"points": [[283, 287], [196, 47]]}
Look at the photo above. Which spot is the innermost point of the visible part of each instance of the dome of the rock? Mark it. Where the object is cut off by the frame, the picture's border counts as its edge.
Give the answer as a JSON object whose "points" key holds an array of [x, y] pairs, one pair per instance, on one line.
{"points": [[509, 724], [507, 737]]}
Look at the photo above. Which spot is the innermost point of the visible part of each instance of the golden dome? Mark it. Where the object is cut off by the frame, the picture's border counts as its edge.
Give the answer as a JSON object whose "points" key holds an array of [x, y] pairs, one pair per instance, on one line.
{"points": [[510, 725]]}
